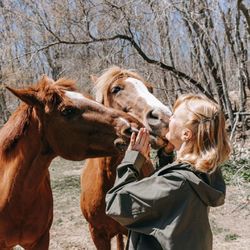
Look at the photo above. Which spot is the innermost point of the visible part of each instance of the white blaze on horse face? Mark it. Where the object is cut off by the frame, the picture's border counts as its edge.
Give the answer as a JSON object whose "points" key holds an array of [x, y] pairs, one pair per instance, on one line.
{"points": [[75, 96], [150, 99]]}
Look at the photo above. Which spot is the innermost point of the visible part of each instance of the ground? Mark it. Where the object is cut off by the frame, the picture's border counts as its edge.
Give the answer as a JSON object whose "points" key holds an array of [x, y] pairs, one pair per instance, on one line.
{"points": [[230, 223]]}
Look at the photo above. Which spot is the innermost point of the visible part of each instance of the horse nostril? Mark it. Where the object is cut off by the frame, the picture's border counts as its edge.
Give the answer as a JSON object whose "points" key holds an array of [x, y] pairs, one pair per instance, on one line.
{"points": [[153, 114], [153, 117]]}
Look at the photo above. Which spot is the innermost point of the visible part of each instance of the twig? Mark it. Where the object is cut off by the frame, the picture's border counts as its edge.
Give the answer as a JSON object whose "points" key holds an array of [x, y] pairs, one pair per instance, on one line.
{"points": [[234, 127]]}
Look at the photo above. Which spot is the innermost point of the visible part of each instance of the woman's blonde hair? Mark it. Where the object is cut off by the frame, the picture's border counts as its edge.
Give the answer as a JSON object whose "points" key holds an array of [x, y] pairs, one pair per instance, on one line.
{"points": [[210, 144]]}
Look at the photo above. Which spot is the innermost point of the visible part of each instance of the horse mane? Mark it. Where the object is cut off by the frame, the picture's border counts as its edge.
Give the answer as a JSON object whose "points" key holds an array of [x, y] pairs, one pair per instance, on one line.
{"points": [[19, 121], [109, 76], [15, 127]]}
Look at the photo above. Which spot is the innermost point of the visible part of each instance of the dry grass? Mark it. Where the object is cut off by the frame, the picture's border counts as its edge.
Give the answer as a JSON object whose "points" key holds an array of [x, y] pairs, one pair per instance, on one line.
{"points": [[230, 223]]}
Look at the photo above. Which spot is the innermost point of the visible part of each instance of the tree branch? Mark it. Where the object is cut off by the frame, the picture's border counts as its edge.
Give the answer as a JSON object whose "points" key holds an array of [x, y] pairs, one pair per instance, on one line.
{"points": [[246, 13], [137, 48], [159, 63]]}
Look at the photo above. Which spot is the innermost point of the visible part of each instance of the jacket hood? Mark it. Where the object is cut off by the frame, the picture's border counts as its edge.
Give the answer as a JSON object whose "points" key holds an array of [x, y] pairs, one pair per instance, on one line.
{"points": [[210, 188]]}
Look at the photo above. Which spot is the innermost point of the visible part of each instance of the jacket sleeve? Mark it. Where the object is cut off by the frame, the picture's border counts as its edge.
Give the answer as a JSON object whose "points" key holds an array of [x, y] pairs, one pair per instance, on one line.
{"points": [[132, 201]]}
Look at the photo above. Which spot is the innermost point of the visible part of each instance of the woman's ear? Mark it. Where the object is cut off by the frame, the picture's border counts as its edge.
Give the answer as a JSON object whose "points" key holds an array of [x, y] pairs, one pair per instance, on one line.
{"points": [[187, 134]]}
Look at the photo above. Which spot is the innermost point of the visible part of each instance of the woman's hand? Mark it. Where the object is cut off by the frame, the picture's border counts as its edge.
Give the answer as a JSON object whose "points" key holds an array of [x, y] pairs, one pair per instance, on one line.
{"points": [[140, 142]]}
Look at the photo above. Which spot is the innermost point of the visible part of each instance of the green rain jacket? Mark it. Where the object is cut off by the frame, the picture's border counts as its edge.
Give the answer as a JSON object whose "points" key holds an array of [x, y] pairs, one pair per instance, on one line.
{"points": [[169, 209]]}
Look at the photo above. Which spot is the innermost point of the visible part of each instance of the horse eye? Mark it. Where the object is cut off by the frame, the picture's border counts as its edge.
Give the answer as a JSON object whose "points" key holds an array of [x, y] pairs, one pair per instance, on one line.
{"points": [[116, 89], [68, 112]]}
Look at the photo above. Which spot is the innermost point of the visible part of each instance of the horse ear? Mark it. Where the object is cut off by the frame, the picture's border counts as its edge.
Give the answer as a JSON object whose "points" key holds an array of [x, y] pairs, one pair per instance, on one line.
{"points": [[93, 78], [28, 96]]}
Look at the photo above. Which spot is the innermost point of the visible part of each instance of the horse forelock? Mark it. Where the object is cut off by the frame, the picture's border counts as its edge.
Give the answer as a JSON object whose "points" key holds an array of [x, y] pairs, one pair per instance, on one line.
{"points": [[66, 84], [52, 93], [109, 76]]}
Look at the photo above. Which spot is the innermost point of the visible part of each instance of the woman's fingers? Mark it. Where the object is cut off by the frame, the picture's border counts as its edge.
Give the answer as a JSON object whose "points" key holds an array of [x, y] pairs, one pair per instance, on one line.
{"points": [[143, 141], [144, 138], [140, 142], [132, 141], [147, 152], [139, 136]]}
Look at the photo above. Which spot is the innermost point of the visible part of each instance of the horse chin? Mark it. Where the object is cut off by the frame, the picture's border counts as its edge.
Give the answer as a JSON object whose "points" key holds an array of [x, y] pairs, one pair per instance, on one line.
{"points": [[120, 144], [157, 142]]}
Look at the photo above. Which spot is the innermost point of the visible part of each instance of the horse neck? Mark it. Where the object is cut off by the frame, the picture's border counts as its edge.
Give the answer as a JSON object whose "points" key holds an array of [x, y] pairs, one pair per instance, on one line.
{"points": [[26, 165], [108, 165]]}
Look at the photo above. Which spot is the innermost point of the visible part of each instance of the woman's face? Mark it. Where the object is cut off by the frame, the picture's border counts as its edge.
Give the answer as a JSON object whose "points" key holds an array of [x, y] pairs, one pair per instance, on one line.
{"points": [[177, 129]]}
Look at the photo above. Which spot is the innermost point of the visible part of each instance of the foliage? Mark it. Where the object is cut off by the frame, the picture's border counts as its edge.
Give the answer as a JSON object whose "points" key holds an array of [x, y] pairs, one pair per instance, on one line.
{"points": [[230, 237], [236, 169]]}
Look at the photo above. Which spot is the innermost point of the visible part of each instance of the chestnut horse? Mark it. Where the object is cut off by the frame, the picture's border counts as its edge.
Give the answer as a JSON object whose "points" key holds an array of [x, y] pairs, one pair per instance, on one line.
{"points": [[54, 120], [123, 90]]}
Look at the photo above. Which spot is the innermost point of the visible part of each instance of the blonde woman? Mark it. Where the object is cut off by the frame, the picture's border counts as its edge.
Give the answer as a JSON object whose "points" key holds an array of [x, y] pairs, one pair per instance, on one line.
{"points": [[169, 210]]}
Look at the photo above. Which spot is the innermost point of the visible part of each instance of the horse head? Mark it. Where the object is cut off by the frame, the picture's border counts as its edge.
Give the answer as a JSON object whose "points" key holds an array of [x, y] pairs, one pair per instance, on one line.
{"points": [[127, 91], [72, 125]]}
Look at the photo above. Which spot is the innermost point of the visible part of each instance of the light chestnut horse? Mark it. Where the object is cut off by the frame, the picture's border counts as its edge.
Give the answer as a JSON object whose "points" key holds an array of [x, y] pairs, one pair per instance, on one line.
{"points": [[54, 120], [123, 90]]}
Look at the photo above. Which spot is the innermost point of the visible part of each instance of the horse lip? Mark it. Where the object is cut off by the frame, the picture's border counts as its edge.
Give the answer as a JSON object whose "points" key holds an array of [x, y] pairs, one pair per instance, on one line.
{"points": [[154, 141]]}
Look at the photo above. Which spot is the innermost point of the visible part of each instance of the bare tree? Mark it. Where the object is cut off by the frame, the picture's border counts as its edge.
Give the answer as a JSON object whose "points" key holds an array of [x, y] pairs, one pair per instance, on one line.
{"points": [[182, 45]]}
